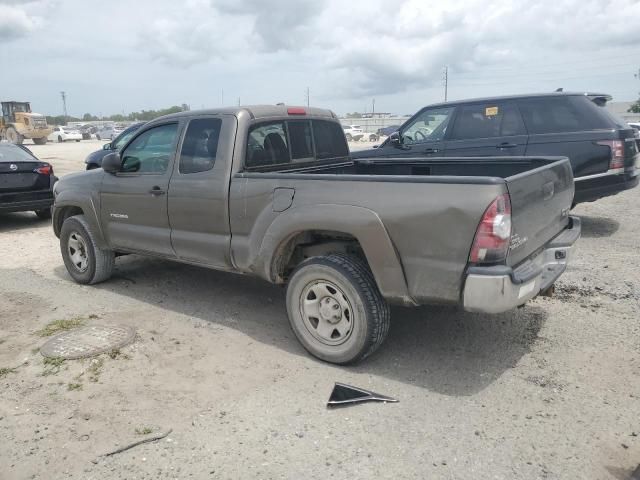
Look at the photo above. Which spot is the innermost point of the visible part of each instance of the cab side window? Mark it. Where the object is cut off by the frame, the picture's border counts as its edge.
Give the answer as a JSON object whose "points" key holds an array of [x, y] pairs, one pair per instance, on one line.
{"points": [[151, 151], [200, 145]]}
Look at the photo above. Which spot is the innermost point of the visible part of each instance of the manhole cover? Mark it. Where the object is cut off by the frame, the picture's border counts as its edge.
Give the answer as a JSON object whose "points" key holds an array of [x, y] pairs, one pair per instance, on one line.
{"points": [[88, 341]]}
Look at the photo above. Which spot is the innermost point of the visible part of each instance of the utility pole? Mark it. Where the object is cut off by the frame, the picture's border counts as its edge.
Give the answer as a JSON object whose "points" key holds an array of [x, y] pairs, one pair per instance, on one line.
{"points": [[64, 105], [238, 101], [445, 79], [222, 97], [308, 97], [373, 107]]}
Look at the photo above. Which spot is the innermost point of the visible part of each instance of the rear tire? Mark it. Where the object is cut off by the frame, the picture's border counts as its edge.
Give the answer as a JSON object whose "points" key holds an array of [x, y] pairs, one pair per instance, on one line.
{"points": [[85, 262], [44, 214], [77, 140], [59, 139], [98, 137], [349, 137], [40, 141], [336, 310]]}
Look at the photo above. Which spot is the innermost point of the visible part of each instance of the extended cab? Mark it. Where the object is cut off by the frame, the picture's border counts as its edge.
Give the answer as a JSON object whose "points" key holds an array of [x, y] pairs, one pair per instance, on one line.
{"points": [[272, 191]]}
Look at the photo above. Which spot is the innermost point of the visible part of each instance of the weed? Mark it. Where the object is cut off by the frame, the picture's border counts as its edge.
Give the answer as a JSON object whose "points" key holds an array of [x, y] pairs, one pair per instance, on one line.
{"points": [[6, 371], [74, 386], [95, 369], [52, 365], [143, 431], [61, 326]]}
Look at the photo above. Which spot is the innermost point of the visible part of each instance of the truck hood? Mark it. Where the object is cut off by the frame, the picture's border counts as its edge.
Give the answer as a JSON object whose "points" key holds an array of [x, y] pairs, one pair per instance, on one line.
{"points": [[88, 181]]}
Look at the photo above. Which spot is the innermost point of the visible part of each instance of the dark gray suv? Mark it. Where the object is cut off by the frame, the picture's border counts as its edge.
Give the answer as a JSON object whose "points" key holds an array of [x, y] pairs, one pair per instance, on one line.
{"points": [[602, 149]]}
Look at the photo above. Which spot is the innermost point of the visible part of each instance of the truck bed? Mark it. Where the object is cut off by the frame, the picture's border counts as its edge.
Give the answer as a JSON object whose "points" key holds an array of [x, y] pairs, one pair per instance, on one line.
{"points": [[430, 209]]}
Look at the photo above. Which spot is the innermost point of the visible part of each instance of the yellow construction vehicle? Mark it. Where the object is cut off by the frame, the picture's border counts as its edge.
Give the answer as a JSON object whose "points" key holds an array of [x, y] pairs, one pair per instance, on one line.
{"points": [[19, 122]]}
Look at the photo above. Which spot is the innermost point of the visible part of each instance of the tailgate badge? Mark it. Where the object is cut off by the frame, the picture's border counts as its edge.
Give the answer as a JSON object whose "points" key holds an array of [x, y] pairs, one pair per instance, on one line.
{"points": [[516, 241], [13, 167]]}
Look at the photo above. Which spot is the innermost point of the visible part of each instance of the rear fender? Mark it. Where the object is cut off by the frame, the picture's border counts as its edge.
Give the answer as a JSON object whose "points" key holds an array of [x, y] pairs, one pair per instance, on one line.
{"points": [[361, 223]]}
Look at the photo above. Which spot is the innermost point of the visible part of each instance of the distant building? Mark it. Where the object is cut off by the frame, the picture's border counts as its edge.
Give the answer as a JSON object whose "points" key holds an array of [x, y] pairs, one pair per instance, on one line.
{"points": [[620, 109]]}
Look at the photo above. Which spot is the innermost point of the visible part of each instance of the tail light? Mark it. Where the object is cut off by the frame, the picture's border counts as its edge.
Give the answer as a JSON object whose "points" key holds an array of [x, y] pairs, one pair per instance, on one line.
{"points": [[617, 153], [491, 242], [44, 170]]}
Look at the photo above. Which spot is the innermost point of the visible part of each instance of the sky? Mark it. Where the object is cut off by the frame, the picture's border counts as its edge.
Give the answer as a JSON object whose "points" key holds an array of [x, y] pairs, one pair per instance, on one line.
{"points": [[117, 56]]}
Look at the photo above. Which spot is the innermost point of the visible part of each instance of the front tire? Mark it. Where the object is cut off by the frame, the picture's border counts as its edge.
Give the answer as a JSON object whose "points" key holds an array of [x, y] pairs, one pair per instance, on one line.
{"points": [[13, 136], [98, 137], [336, 310], [85, 262]]}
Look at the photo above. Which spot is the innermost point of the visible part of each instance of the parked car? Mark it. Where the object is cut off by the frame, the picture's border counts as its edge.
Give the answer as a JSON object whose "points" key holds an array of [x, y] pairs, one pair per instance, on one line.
{"points": [[602, 150], [86, 131], [25, 182], [94, 159], [353, 132], [63, 134], [108, 132], [271, 191], [386, 131]]}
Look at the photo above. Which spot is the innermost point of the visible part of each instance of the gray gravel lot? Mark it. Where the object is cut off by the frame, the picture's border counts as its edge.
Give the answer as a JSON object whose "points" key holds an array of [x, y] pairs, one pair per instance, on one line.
{"points": [[548, 391]]}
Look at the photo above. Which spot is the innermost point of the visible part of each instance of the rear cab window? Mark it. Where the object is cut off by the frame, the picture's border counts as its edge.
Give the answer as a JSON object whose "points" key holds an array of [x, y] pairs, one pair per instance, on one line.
{"points": [[200, 145], [294, 141]]}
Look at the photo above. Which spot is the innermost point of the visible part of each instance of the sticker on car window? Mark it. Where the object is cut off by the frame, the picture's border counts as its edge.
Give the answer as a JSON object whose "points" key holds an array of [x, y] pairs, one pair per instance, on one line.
{"points": [[491, 111]]}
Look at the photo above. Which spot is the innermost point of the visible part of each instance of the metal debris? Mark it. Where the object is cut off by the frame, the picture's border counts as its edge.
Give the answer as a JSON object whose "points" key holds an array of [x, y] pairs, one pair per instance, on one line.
{"points": [[346, 394]]}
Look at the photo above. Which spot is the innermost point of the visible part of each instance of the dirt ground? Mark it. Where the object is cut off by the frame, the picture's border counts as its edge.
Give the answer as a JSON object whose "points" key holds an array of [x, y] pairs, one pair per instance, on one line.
{"points": [[548, 391]]}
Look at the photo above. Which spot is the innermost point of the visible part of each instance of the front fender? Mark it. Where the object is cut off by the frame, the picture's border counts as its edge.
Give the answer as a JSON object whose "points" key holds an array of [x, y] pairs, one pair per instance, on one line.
{"points": [[72, 199], [361, 223]]}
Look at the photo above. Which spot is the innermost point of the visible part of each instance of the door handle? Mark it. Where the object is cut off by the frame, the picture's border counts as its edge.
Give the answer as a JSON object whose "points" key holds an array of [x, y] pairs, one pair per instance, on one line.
{"points": [[506, 145], [156, 191], [431, 150]]}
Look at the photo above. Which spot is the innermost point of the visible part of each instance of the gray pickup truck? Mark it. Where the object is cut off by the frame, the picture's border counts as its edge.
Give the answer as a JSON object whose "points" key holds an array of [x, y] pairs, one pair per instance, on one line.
{"points": [[272, 191]]}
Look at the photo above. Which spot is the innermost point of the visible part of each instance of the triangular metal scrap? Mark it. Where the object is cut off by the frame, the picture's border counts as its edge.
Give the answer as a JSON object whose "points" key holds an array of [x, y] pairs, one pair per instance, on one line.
{"points": [[346, 394]]}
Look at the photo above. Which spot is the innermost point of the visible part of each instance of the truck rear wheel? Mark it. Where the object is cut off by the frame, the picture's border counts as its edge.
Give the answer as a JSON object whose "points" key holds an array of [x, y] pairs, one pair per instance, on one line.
{"points": [[13, 136], [85, 262], [40, 141], [336, 310]]}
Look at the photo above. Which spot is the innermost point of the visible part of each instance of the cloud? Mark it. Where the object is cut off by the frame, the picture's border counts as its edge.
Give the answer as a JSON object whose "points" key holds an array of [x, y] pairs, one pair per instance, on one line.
{"points": [[15, 22], [374, 47]]}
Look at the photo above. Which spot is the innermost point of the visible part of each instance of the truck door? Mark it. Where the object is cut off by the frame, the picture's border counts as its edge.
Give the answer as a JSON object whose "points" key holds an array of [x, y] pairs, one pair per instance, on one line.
{"points": [[134, 200], [198, 192], [487, 130]]}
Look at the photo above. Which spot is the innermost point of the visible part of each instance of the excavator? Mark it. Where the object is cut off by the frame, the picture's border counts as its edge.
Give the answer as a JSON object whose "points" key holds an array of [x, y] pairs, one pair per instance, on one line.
{"points": [[19, 122]]}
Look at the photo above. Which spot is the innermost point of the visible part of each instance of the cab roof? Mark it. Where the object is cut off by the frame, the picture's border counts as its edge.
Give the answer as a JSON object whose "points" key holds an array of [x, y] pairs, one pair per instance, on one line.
{"points": [[261, 111], [604, 97]]}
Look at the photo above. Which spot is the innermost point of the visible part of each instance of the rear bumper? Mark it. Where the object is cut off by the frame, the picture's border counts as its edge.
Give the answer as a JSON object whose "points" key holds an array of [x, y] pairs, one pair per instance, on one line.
{"points": [[594, 187], [25, 201], [501, 288]]}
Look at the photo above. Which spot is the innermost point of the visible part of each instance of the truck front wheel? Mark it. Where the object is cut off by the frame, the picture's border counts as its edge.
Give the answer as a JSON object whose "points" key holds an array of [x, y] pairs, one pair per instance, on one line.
{"points": [[85, 262], [336, 310], [13, 136]]}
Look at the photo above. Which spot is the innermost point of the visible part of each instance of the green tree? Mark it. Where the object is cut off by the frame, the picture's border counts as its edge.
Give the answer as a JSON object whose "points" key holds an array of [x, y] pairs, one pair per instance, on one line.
{"points": [[635, 107]]}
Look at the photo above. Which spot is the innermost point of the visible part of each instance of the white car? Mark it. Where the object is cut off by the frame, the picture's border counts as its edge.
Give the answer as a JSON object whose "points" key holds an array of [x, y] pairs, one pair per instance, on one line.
{"points": [[353, 132], [108, 132], [62, 134]]}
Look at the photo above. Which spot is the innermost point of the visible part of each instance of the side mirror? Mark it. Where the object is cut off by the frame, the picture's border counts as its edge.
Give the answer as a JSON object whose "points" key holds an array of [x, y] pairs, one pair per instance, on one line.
{"points": [[106, 146], [111, 163], [395, 139]]}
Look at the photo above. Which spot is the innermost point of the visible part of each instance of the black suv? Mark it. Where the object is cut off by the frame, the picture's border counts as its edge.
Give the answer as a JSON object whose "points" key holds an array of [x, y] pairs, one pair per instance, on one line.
{"points": [[602, 149]]}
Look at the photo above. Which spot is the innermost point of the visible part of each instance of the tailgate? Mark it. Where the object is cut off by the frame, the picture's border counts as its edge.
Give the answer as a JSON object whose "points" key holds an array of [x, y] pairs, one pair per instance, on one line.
{"points": [[540, 203], [21, 176]]}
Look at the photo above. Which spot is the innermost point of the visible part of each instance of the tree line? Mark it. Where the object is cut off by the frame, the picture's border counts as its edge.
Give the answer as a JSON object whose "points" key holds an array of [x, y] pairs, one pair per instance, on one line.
{"points": [[141, 116]]}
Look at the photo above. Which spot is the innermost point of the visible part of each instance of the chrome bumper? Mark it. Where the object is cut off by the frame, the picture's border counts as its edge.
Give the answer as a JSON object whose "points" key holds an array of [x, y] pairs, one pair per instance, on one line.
{"points": [[501, 288]]}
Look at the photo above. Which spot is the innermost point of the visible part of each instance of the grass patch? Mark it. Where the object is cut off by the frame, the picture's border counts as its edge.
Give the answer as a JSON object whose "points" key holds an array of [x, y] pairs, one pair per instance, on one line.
{"points": [[143, 431], [60, 326], [6, 371], [74, 386], [52, 365], [95, 369]]}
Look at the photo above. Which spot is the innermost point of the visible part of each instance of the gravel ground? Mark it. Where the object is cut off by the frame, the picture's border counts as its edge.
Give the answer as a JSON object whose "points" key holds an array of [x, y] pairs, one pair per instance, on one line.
{"points": [[548, 391]]}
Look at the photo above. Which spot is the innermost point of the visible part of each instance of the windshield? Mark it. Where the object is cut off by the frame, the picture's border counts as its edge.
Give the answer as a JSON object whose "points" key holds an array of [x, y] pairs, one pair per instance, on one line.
{"points": [[119, 142], [12, 153]]}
